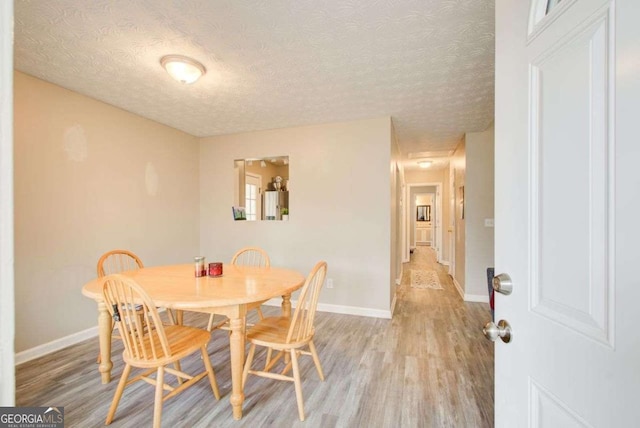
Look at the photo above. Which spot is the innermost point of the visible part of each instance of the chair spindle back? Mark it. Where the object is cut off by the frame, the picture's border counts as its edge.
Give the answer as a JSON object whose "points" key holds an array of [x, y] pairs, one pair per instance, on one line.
{"points": [[251, 256], [302, 321], [117, 261], [143, 335]]}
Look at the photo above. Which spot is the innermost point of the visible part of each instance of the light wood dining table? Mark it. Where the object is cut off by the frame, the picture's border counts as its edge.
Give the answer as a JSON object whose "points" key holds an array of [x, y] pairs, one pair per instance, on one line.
{"points": [[176, 287]]}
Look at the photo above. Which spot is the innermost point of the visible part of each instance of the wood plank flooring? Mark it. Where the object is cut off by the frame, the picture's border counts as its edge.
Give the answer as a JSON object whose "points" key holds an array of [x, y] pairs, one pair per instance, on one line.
{"points": [[429, 366]]}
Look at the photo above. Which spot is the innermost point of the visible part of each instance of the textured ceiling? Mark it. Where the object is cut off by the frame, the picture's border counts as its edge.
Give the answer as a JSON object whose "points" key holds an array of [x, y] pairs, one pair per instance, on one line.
{"points": [[272, 64]]}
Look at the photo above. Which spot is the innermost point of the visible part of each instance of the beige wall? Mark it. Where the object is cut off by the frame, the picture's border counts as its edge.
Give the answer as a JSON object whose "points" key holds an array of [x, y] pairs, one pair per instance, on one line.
{"points": [[458, 168], [340, 194], [479, 198], [89, 178], [424, 175]]}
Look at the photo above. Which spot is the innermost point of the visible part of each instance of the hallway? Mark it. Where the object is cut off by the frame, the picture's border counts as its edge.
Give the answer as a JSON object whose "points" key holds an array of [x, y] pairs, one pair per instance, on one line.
{"points": [[443, 335], [429, 366]]}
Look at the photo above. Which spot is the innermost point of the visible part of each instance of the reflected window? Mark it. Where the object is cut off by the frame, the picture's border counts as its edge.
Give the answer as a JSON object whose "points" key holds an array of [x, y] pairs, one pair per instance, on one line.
{"points": [[251, 194]]}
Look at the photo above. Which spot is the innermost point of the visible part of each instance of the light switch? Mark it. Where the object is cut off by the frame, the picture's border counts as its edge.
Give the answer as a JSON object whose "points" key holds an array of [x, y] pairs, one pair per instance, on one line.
{"points": [[488, 222]]}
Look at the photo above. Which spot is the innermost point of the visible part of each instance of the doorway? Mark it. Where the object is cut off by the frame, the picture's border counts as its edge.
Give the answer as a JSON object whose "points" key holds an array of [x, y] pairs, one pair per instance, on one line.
{"points": [[424, 220], [410, 217]]}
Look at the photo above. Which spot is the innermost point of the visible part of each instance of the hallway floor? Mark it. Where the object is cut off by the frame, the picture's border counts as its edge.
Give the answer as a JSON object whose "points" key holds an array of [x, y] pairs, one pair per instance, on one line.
{"points": [[443, 334], [429, 366]]}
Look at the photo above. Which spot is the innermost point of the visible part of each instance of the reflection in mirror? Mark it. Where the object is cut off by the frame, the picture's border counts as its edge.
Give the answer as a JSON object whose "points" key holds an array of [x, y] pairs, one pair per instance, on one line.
{"points": [[423, 213], [262, 187]]}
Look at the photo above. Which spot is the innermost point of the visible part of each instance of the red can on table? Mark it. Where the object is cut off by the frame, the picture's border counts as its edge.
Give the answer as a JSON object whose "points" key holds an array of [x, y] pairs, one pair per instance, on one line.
{"points": [[215, 269]]}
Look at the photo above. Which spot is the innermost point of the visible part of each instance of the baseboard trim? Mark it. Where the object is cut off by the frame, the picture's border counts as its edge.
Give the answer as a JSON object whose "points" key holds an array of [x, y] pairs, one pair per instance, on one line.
{"points": [[458, 287], [340, 309], [55, 345], [75, 338], [476, 298]]}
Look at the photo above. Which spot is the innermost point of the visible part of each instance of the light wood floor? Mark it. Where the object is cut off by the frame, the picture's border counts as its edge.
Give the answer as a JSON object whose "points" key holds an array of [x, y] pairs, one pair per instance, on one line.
{"points": [[429, 366]]}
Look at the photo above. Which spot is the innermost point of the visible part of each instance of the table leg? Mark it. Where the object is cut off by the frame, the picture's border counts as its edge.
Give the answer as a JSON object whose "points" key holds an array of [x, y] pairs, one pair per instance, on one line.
{"points": [[286, 312], [104, 332], [236, 341], [286, 306]]}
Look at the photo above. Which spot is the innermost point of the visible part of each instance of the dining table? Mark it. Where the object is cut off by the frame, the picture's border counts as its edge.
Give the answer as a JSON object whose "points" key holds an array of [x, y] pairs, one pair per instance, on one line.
{"points": [[178, 288]]}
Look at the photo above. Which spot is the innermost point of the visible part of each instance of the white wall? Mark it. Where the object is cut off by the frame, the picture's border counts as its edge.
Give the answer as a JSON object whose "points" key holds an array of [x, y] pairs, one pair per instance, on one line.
{"points": [[90, 178], [339, 205], [7, 310], [479, 203]]}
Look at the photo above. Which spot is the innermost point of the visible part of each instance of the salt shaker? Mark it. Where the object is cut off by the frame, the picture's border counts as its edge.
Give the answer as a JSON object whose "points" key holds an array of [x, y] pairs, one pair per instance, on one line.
{"points": [[200, 269]]}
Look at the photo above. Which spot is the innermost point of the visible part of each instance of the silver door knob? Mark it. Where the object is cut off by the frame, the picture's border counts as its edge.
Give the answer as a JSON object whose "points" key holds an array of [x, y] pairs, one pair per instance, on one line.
{"points": [[502, 284], [502, 331]]}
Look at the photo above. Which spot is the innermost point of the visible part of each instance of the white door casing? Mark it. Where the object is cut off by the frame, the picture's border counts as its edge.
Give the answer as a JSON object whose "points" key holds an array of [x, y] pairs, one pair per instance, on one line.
{"points": [[567, 102], [255, 181], [409, 219], [7, 309]]}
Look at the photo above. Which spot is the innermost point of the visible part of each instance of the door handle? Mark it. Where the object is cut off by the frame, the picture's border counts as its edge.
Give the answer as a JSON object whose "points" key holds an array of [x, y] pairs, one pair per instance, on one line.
{"points": [[502, 331], [502, 284]]}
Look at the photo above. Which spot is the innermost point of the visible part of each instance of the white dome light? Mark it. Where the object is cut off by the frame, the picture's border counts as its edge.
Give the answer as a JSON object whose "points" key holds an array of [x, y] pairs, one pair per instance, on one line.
{"points": [[183, 69]]}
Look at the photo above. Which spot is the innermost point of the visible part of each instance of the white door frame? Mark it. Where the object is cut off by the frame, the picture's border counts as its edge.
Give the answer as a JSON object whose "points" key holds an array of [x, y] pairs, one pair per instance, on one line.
{"points": [[258, 178], [414, 225], [408, 217], [7, 307], [451, 222]]}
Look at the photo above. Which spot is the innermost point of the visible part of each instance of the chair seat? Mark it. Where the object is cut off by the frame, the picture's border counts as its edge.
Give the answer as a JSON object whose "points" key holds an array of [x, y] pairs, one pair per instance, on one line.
{"points": [[272, 332], [184, 341]]}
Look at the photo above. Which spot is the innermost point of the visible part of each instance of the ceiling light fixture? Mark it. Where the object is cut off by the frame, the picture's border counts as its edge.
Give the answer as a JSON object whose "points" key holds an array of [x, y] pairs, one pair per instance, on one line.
{"points": [[424, 164], [183, 69]]}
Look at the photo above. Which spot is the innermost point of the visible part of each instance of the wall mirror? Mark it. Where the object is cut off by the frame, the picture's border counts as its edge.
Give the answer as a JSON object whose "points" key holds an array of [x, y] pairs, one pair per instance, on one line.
{"points": [[262, 188], [423, 213]]}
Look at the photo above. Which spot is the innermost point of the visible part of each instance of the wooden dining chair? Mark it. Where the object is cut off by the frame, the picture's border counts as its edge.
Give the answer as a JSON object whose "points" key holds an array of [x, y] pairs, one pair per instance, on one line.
{"points": [[289, 337], [248, 256], [152, 345], [117, 261]]}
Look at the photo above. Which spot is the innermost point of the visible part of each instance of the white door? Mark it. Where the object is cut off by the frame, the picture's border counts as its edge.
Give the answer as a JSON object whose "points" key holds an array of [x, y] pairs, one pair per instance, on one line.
{"points": [[253, 196], [567, 210], [422, 233]]}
